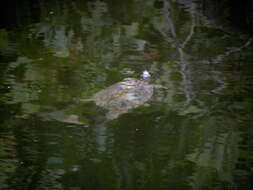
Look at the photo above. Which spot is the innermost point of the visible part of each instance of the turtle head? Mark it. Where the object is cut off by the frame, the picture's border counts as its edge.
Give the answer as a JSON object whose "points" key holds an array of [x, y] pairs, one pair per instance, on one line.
{"points": [[145, 76]]}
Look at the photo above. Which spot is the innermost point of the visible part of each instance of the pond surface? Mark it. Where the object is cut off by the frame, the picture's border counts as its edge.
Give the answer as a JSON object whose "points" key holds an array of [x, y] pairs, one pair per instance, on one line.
{"points": [[196, 133]]}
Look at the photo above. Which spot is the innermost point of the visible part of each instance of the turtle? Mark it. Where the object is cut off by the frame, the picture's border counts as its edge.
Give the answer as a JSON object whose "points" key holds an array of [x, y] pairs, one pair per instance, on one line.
{"points": [[123, 96]]}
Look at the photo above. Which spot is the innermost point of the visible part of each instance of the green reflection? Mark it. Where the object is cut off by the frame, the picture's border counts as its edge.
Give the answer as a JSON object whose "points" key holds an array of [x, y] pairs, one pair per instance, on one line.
{"points": [[195, 134]]}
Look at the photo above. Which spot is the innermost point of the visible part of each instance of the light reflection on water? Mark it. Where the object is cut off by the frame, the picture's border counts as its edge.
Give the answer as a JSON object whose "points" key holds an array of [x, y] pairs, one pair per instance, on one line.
{"points": [[188, 135]]}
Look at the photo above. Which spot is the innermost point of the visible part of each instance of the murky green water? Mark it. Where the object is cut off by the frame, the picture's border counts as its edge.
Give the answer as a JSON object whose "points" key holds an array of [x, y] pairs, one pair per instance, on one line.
{"points": [[195, 134]]}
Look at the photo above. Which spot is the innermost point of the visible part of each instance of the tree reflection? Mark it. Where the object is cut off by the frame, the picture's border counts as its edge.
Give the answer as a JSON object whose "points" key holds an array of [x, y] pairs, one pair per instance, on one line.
{"points": [[194, 135]]}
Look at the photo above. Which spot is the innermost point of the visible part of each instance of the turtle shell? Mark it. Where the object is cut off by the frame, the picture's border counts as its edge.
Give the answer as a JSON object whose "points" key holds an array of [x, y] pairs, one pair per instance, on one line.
{"points": [[123, 96]]}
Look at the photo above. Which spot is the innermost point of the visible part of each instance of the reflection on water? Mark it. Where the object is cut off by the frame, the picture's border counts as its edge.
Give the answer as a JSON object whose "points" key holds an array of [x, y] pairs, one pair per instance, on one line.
{"points": [[195, 134]]}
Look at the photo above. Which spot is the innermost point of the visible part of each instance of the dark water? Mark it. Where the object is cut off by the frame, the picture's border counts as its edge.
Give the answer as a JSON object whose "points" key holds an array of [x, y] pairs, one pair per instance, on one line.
{"points": [[195, 134]]}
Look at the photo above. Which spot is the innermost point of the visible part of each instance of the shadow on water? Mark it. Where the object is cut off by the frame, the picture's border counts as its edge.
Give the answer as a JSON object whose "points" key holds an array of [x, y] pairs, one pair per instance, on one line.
{"points": [[194, 134]]}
